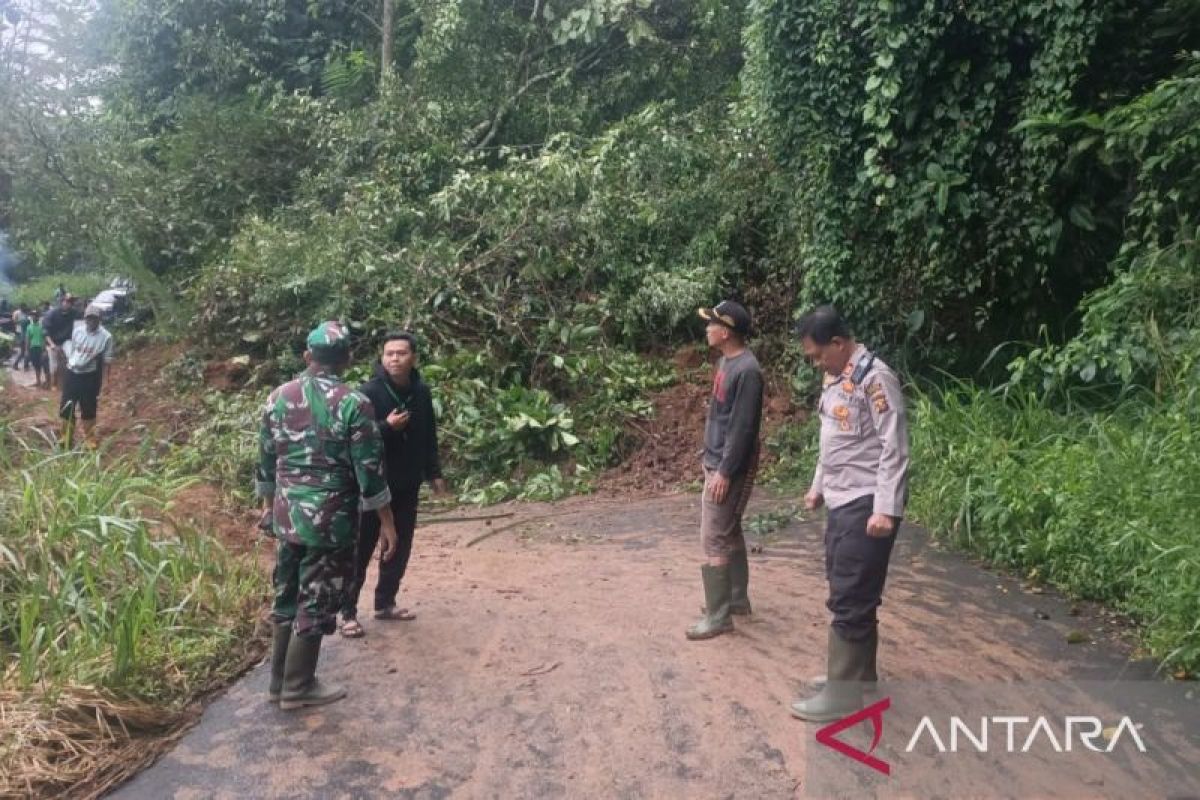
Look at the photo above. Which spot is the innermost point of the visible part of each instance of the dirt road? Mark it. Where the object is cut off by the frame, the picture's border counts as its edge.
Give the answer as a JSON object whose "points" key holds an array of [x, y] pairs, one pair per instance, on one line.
{"points": [[549, 661], [20, 377]]}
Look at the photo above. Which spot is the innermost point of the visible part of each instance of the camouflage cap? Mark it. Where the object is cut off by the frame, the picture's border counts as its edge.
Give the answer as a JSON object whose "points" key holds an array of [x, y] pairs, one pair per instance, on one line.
{"points": [[329, 337]]}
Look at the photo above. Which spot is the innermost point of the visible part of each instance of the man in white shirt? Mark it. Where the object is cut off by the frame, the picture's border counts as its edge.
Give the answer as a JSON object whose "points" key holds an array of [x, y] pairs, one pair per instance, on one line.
{"points": [[89, 354]]}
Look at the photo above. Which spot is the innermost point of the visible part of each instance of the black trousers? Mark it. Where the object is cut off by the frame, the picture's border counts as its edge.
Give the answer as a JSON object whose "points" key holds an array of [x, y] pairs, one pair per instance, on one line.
{"points": [[80, 389], [404, 510], [856, 567]]}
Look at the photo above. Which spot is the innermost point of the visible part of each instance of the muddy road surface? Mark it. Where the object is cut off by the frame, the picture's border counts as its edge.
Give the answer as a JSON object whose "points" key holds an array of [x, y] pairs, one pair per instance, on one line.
{"points": [[548, 660]]}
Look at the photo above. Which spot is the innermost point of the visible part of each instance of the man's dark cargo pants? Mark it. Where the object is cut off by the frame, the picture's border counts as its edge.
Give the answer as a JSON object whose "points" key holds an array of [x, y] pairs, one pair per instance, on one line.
{"points": [[856, 567]]}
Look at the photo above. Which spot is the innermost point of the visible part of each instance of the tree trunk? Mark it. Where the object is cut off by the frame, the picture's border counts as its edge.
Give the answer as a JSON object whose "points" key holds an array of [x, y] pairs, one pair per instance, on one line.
{"points": [[385, 48]]}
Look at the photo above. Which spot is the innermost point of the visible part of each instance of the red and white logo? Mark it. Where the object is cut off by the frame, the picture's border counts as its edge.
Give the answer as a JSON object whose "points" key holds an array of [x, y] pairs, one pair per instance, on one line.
{"points": [[874, 712]]}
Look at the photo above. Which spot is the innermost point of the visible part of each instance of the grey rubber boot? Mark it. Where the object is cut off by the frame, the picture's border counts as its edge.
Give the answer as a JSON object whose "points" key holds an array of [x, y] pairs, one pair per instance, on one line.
{"points": [[739, 580], [716, 599], [843, 693], [300, 684], [870, 672], [281, 635]]}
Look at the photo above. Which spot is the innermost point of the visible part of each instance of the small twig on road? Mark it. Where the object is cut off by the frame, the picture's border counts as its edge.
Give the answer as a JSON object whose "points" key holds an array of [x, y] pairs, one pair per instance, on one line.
{"points": [[539, 518], [542, 669], [443, 520], [494, 531], [641, 430]]}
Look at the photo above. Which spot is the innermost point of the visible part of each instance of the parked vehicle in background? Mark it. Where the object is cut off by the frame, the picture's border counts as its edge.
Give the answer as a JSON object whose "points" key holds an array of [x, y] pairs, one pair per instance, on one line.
{"points": [[115, 302]]}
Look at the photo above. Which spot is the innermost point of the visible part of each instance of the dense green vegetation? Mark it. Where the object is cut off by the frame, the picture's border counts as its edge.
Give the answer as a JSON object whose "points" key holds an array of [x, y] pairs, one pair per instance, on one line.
{"points": [[72, 533], [546, 189], [1098, 502]]}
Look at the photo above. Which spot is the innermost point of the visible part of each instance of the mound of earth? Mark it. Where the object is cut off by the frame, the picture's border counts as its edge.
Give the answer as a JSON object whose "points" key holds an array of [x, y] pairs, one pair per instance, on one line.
{"points": [[668, 445]]}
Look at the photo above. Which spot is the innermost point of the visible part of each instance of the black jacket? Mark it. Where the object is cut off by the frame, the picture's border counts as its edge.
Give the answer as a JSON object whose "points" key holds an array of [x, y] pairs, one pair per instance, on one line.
{"points": [[59, 324], [411, 455]]}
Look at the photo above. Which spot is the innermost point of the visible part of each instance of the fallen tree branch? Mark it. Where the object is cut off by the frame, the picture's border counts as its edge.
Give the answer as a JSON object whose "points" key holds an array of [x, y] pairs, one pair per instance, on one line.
{"points": [[423, 523]]}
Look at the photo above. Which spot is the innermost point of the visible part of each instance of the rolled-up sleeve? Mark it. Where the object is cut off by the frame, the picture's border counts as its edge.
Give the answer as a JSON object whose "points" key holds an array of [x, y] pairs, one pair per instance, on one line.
{"points": [[891, 426], [366, 451]]}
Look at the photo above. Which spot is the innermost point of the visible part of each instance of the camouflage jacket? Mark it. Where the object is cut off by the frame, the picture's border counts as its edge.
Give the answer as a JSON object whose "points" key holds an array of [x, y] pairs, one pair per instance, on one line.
{"points": [[320, 459]]}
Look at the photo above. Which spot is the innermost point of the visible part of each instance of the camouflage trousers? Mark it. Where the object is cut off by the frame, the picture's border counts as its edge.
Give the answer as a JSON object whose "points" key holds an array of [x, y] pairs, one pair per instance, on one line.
{"points": [[310, 586]]}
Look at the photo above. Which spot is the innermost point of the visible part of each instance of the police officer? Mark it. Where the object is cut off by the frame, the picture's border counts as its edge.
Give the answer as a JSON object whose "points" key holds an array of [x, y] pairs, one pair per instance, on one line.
{"points": [[861, 477], [320, 464]]}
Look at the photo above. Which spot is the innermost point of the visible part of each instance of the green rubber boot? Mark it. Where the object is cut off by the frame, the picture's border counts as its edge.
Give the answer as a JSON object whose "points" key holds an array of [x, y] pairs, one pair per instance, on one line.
{"points": [[717, 592], [843, 693], [739, 579], [870, 672], [301, 687], [281, 635]]}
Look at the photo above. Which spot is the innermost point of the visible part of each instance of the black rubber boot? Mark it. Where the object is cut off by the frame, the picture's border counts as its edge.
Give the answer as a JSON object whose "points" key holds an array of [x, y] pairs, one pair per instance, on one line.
{"points": [[281, 634], [842, 694], [301, 686], [717, 592]]}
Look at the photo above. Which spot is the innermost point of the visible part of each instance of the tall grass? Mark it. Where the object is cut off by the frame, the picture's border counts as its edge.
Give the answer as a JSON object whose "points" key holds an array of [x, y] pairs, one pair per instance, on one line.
{"points": [[1102, 504], [100, 597]]}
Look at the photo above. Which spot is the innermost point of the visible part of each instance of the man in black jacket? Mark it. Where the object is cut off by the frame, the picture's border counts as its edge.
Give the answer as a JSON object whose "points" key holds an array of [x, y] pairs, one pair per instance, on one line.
{"points": [[59, 325], [404, 411]]}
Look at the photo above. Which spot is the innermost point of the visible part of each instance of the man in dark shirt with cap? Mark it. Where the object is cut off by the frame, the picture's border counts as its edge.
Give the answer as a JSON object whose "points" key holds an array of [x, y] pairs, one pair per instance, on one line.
{"points": [[730, 462]]}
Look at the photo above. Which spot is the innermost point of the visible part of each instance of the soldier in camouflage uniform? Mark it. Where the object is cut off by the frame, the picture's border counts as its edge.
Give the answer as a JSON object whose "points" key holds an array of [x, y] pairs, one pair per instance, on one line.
{"points": [[320, 464]]}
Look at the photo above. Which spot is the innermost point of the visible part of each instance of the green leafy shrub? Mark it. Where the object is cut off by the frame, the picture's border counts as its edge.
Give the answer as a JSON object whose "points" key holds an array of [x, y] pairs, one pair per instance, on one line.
{"points": [[223, 446], [929, 212], [504, 439], [1141, 328]]}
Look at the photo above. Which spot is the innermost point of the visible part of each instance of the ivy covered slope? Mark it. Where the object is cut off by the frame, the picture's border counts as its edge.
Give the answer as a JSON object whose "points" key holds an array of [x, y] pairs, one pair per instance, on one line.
{"points": [[964, 170]]}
